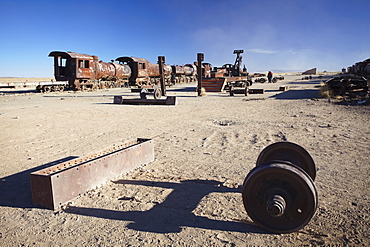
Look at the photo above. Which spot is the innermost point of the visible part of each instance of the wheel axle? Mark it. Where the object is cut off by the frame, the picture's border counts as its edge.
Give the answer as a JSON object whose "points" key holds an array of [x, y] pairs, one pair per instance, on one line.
{"points": [[276, 206], [279, 195]]}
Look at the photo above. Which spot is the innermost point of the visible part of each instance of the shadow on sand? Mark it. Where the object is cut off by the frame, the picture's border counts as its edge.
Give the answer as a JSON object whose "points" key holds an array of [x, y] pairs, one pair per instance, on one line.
{"points": [[297, 94], [15, 190], [175, 212], [170, 216]]}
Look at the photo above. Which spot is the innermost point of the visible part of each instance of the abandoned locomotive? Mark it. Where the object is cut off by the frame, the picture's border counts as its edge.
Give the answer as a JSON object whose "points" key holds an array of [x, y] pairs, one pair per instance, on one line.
{"points": [[76, 71]]}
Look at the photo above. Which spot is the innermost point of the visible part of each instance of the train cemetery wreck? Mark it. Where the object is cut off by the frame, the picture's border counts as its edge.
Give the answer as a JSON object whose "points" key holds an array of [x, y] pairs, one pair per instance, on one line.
{"points": [[81, 72], [278, 194], [349, 86], [223, 170]]}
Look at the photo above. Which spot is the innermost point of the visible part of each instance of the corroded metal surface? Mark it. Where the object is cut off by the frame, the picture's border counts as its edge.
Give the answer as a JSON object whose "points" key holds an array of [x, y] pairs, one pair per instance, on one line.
{"points": [[214, 84], [169, 100], [288, 151], [51, 187], [349, 86], [84, 71], [279, 197]]}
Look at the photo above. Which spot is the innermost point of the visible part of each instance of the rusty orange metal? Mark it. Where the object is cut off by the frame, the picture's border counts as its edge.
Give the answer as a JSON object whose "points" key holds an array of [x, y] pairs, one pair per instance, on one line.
{"points": [[54, 186]]}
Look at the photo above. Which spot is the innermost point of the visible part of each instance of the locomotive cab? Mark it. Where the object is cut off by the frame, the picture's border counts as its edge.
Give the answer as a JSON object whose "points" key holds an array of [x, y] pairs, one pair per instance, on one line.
{"points": [[139, 69], [73, 67]]}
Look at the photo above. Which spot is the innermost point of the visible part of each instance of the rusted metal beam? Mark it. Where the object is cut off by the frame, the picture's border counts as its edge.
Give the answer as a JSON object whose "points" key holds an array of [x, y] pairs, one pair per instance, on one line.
{"points": [[256, 91], [200, 58], [283, 88], [161, 61], [54, 186], [234, 91], [246, 91], [170, 100], [138, 90]]}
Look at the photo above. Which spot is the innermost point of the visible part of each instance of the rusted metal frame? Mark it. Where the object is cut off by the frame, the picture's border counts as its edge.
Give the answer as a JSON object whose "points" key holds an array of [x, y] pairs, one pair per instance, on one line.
{"points": [[214, 84], [54, 186], [200, 58], [170, 100], [256, 91], [246, 91], [234, 91], [283, 88], [138, 90]]}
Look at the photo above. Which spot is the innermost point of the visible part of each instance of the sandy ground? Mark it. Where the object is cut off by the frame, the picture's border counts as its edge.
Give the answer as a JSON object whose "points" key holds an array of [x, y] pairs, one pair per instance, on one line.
{"points": [[204, 147]]}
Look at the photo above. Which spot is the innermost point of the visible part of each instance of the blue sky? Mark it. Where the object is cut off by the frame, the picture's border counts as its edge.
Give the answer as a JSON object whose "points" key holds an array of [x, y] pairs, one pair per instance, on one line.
{"points": [[275, 34]]}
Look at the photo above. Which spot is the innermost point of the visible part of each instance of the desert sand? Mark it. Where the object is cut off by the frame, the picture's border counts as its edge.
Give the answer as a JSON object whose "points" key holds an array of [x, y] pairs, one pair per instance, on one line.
{"points": [[190, 195]]}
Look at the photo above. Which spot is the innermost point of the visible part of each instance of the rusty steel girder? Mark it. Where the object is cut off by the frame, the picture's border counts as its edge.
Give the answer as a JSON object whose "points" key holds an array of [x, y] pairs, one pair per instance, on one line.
{"points": [[54, 186]]}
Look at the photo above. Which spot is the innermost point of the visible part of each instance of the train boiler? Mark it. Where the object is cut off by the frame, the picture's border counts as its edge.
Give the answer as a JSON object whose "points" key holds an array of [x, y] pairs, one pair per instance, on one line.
{"points": [[143, 72], [186, 73], [86, 72]]}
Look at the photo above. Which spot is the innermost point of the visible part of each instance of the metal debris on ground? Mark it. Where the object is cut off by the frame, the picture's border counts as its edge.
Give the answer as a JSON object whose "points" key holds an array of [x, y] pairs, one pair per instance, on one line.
{"points": [[54, 186], [348, 86], [169, 100], [279, 194]]}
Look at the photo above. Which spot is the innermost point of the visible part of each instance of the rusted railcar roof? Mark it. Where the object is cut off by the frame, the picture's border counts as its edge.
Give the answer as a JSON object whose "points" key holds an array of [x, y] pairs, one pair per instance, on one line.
{"points": [[132, 59], [69, 55]]}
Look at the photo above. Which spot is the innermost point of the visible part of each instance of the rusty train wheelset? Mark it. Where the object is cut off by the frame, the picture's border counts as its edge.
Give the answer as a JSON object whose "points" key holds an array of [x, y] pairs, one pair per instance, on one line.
{"points": [[279, 194]]}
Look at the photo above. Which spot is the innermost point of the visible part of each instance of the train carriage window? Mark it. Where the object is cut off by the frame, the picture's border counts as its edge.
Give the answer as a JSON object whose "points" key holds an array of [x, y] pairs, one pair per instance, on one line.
{"points": [[142, 65], [62, 62], [83, 63]]}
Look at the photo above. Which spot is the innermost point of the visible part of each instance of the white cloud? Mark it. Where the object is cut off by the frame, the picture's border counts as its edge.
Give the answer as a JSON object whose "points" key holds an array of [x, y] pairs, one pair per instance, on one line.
{"points": [[261, 51]]}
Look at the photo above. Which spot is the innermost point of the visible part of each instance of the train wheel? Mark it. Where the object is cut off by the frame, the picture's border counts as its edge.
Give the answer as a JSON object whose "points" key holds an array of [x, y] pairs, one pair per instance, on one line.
{"points": [[290, 152], [46, 89], [279, 197], [157, 93], [231, 88], [246, 91], [143, 93]]}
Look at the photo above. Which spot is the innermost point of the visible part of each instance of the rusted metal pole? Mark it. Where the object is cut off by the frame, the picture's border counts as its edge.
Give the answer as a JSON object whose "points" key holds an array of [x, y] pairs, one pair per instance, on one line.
{"points": [[200, 58], [161, 61]]}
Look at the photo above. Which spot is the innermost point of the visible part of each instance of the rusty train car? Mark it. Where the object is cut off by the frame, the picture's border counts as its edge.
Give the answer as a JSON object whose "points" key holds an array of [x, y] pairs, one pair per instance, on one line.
{"points": [[360, 68], [145, 73], [83, 71], [77, 71]]}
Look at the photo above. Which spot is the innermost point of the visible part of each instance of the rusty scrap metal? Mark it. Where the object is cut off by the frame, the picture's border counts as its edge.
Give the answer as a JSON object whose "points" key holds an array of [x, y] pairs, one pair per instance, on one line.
{"points": [[245, 91], [348, 86], [260, 80], [214, 84], [169, 100], [157, 93], [200, 59], [279, 194], [283, 88], [87, 72], [279, 77], [233, 91], [360, 68], [54, 186]]}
